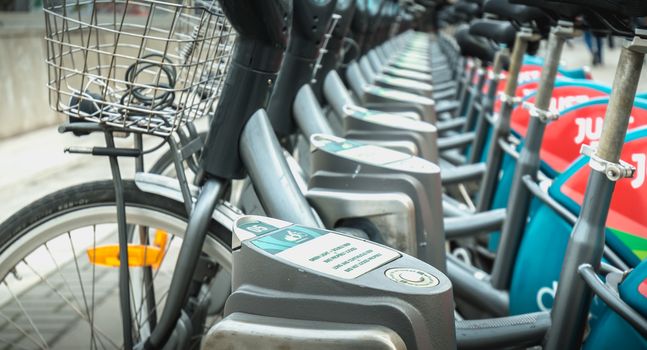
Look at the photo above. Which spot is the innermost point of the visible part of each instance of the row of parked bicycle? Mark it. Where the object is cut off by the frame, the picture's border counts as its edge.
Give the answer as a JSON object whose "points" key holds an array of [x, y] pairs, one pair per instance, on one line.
{"points": [[375, 174]]}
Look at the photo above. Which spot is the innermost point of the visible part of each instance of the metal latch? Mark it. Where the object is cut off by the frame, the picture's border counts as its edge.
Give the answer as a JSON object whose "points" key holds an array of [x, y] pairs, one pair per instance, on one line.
{"points": [[509, 100], [613, 171], [543, 115], [565, 29], [528, 34], [492, 76], [638, 43], [323, 50]]}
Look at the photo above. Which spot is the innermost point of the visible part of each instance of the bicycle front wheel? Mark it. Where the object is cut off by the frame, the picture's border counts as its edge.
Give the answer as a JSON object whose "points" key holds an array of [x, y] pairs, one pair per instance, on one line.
{"points": [[59, 274]]}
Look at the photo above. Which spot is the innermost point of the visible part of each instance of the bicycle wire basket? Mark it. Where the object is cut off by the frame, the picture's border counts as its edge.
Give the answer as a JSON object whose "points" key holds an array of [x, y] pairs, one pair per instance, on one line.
{"points": [[147, 65]]}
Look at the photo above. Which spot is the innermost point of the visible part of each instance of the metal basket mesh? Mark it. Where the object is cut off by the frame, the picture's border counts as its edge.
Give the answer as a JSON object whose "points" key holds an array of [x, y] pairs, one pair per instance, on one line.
{"points": [[148, 65]]}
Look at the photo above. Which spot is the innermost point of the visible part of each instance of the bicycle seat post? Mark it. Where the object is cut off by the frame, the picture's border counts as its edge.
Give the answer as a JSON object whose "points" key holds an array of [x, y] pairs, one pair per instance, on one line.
{"points": [[528, 163], [502, 125], [487, 104], [573, 299]]}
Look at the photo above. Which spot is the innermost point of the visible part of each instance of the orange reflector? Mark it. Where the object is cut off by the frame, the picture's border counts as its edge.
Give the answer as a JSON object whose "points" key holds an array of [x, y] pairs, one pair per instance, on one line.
{"points": [[138, 255]]}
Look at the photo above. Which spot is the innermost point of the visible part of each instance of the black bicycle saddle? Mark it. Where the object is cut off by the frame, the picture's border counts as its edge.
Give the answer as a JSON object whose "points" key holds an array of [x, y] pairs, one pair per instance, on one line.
{"points": [[616, 16], [449, 15], [518, 13], [554, 9], [474, 46], [365, 13], [469, 9], [626, 8], [501, 32]]}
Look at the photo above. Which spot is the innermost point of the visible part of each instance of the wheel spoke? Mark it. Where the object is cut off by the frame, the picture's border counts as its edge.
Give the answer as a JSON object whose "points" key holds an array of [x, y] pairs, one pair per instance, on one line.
{"points": [[78, 273], [132, 297], [46, 241], [29, 319], [61, 275], [162, 298], [93, 340], [151, 290], [69, 303], [12, 343]]}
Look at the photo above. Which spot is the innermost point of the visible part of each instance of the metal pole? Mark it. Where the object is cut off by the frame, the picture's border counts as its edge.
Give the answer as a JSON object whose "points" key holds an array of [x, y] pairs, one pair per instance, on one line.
{"points": [[487, 103], [502, 126], [528, 162], [470, 111], [147, 271], [124, 276], [573, 299]]}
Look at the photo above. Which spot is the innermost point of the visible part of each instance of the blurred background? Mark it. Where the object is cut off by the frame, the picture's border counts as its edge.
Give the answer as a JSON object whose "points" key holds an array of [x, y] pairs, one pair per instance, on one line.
{"points": [[22, 90]]}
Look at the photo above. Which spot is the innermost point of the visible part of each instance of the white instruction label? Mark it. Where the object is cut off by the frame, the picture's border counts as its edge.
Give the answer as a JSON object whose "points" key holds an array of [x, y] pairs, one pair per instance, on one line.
{"points": [[400, 121], [415, 164], [338, 255], [373, 154]]}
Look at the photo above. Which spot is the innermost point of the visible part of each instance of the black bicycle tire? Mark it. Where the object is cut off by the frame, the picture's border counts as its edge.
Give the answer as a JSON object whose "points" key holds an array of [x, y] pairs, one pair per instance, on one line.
{"points": [[94, 194]]}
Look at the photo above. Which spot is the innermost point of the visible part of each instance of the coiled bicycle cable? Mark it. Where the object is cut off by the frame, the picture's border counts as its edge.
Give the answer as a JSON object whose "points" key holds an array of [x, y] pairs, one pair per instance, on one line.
{"points": [[135, 95]]}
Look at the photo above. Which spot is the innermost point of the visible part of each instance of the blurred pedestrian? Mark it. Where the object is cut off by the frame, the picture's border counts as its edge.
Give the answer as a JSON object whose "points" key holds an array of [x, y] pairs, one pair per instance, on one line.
{"points": [[594, 43]]}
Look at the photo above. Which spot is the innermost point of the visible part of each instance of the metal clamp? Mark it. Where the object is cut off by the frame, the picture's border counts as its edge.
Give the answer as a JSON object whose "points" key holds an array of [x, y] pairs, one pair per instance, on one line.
{"points": [[613, 171], [350, 109], [565, 29], [543, 115], [507, 99], [492, 76], [323, 50], [638, 43], [528, 34]]}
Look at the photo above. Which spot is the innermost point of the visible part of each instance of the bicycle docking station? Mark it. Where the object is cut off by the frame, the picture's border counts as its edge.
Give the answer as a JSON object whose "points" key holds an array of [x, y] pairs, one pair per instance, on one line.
{"points": [[367, 195], [398, 132], [388, 99], [405, 192], [372, 126], [403, 84], [302, 287], [405, 133]]}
